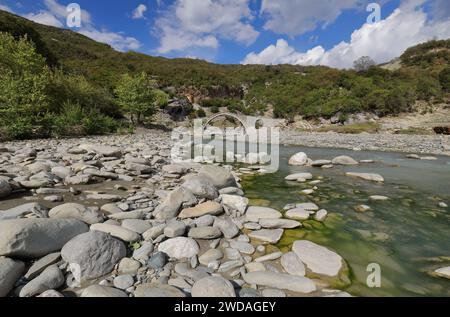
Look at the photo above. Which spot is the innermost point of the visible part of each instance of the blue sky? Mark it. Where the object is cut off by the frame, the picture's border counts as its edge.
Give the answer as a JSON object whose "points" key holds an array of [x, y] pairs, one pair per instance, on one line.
{"points": [[309, 32]]}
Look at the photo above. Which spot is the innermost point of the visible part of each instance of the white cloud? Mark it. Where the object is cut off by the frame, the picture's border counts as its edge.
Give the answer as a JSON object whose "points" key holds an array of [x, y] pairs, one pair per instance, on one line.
{"points": [[191, 23], [282, 53], [293, 17], [139, 12], [56, 14], [116, 40], [383, 41], [4, 7], [44, 17]]}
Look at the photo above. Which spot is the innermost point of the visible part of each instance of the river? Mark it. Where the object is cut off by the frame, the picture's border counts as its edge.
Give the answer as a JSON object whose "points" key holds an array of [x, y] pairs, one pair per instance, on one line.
{"points": [[406, 235]]}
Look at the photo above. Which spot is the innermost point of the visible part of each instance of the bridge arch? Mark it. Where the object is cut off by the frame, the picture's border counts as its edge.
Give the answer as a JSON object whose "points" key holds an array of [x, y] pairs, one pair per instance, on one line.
{"points": [[229, 115]]}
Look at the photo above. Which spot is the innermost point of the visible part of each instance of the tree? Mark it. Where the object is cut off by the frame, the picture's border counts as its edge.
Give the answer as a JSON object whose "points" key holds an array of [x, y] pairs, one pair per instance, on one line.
{"points": [[428, 88], [444, 79], [363, 64], [139, 97], [24, 79]]}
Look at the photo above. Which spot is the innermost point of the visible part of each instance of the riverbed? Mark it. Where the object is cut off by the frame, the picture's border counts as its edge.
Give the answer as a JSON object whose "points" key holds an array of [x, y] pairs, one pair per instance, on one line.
{"points": [[407, 235]]}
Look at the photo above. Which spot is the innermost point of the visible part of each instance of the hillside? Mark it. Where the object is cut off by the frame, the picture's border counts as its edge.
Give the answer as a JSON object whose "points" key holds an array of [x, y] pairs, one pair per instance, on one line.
{"points": [[312, 92]]}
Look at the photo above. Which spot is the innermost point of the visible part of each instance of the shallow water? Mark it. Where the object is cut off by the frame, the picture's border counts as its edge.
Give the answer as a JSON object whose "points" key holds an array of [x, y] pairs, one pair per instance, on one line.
{"points": [[404, 235]]}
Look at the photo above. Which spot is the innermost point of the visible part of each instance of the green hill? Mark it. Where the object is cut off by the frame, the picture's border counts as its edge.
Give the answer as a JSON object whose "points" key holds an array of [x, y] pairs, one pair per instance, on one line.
{"points": [[289, 90]]}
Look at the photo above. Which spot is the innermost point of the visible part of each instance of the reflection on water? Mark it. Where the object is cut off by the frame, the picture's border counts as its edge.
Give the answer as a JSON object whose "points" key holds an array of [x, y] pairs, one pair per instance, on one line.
{"points": [[407, 235]]}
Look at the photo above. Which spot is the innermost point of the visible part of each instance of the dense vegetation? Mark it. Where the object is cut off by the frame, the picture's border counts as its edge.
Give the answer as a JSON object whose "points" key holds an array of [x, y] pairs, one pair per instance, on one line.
{"points": [[83, 78]]}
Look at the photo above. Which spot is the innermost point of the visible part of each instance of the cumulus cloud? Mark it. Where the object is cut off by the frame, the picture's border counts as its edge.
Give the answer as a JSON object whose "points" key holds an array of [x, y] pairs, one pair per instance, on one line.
{"points": [[192, 23], [282, 53], [56, 15], [139, 12], [406, 26], [44, 17], [116, 40], [293, 17], [4, 7]]}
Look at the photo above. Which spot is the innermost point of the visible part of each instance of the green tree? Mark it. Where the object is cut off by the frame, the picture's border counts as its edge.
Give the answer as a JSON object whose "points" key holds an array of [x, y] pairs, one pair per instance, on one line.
{"points": [[444, 79], [24, 79], [363, 64], [428, 88], [139, 97]]}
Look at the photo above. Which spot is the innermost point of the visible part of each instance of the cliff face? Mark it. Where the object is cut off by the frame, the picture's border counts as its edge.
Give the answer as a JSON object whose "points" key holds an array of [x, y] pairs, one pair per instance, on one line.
{"points": [[196, 95]]}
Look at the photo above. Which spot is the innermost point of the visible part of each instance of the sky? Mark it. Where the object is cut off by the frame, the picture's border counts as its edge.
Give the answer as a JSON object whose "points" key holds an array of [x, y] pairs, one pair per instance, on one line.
{"points": [[305, 32]]}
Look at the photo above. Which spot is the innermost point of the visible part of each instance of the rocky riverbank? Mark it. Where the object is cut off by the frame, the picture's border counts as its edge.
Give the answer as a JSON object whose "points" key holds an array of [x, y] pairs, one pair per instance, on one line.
{"points": [[420, 144], [111, 216]]}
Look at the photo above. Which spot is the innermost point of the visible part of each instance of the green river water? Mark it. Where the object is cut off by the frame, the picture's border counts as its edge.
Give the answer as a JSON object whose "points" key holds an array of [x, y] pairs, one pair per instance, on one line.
{"points": [[407, 236]]}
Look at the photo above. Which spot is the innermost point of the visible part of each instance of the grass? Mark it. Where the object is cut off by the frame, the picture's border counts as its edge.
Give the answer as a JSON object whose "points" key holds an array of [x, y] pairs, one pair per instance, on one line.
{"points": [[415, 131], [357, 128]]}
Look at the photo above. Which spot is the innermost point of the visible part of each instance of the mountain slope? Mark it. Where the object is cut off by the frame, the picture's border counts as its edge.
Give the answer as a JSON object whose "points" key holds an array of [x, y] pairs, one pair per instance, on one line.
{"points": [[312, 91]]}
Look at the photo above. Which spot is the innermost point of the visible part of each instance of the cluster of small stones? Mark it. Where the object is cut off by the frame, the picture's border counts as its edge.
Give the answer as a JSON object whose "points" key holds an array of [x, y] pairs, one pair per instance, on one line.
{"points": [[113, 217]]}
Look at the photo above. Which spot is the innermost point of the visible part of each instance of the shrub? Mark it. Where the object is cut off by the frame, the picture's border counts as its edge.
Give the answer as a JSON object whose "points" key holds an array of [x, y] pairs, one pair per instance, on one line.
{"points": [[19, 129], [201, 113], [444, 79], [75, 120], [428, 88], [214, 109], [77, 89], [24, 79]]}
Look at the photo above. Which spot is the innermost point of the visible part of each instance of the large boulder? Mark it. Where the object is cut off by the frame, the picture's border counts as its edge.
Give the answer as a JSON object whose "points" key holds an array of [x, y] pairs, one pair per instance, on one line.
{"points": [[23, 210], [10, 272], [297, 176], [76, 211], [51, 278], [344, 160], [267, 235], [213, 286], [5, 188], [34, 238], [318, 259], [116, 231], [227, 227], [41, 264], [367, 176], [205, 233], [220, 177], [234, 202], [207, 208], [298, 159], [279, 223], [171, 206], [292, 264], [255, 213], [107, 151], [201, 187], [298, 284], [93, 254], [179, 248]]}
